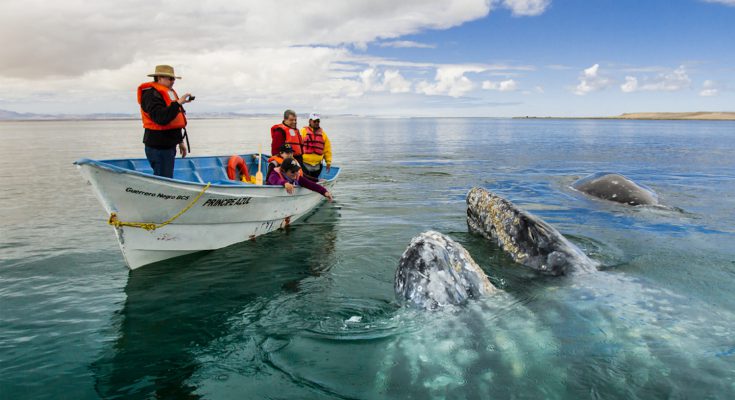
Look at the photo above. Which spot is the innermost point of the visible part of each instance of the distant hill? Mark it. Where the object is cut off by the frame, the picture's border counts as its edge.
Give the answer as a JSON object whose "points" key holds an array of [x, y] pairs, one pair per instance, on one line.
{"points": [[700, 115], [6, 115], [12, 115]]}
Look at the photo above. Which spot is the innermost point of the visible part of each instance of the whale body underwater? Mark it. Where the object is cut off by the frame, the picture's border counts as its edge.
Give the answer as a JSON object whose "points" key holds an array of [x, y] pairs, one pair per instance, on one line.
{"points": [[642, 334], [617, 188]]}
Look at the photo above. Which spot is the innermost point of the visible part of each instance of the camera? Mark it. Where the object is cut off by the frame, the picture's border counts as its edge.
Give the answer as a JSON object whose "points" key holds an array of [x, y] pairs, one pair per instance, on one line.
{"points": [[191, 98]]}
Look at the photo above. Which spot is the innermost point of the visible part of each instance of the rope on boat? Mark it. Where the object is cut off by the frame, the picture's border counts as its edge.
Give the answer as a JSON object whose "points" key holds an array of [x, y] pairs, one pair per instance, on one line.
{"points": [[151, 226]]}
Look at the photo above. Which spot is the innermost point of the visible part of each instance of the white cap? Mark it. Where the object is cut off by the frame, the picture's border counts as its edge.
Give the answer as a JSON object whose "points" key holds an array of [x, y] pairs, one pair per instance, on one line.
{"points": [[314, 116]]}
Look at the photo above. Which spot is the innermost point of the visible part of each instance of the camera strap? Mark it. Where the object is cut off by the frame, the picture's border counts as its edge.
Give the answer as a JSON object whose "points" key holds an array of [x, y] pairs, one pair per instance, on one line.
{"points": [[186, 136]]}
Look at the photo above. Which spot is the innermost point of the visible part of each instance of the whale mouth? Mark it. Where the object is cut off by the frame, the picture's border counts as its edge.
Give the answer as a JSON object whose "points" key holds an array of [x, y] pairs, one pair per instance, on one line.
{"points": [[473, 220], [527, 239], [479, 203]]}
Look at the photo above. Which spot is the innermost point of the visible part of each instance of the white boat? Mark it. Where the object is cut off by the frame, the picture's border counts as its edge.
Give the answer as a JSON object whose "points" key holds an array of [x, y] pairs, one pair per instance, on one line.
{"points": [[158, 218]]}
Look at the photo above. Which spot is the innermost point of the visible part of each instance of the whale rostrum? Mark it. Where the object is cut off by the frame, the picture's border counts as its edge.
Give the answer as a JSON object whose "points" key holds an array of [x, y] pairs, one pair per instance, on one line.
{"points": [[436, 271], [526, 238]]}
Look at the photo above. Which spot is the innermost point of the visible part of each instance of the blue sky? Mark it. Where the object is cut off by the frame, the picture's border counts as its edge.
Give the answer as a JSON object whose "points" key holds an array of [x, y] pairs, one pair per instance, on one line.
{"points": [[587, 31], [495, 58]]}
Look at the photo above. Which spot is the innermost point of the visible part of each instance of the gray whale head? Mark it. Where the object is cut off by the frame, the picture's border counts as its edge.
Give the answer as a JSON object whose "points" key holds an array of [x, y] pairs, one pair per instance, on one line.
{"points": [[617, 188], [526, 238], [436, 271]]}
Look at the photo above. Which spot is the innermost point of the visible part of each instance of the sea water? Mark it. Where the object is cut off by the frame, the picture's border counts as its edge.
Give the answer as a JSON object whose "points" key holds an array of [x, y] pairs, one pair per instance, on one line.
{"points": [[309, 312]]}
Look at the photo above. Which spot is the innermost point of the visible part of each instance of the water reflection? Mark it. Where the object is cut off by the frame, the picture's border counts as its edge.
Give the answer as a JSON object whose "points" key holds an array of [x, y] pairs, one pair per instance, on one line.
{"points": [[177, 307]]}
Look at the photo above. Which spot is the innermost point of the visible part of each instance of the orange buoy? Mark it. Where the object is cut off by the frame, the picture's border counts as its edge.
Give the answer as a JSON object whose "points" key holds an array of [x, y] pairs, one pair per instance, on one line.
{"points": [[234, 164]]}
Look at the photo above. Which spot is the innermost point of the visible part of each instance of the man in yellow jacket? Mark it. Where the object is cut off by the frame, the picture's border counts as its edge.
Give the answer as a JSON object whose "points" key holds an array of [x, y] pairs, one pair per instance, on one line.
{"points": [[316, 148]]}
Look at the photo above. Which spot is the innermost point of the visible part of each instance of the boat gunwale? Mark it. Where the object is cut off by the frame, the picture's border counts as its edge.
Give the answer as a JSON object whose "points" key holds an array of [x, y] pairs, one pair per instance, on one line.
{"points": [[103, 164]]}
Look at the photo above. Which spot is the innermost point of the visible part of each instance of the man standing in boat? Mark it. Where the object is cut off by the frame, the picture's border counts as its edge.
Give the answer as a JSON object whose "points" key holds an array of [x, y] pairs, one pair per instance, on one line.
{"points": [[163, 119], [287, 133], [317, 148]]}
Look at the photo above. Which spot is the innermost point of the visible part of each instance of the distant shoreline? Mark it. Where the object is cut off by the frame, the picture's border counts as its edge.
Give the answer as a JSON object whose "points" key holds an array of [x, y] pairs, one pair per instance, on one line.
{"points": [[659, 116], [6, 116]]}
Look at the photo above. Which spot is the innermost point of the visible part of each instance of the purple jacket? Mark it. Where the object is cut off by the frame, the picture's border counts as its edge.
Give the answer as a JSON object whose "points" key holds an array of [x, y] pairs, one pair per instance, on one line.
{"points": [[275, 178]]}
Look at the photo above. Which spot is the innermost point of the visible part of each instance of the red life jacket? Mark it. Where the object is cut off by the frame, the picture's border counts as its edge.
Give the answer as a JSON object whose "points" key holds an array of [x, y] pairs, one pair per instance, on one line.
{"points": [[293, 137], [314, 142], [169, 96]]}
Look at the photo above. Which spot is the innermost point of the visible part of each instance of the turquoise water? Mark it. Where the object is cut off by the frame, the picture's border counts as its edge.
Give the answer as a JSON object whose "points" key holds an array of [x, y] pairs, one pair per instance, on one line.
{"points": [[309, 312]]}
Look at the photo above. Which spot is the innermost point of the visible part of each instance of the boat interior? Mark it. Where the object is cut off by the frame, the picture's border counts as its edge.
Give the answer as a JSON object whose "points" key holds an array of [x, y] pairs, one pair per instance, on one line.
{"points": [[207, 169]]}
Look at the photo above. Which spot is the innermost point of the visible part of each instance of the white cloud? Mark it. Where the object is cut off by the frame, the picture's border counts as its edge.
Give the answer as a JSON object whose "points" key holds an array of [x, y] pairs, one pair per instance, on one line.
{"points": [[630, 85], [265, 76], [257, 80], [725, 2], [450, 81], [709, 88], [591, 81], [502, 86], [675, 80], [527, 7], [392, 81], [395, 82], [492, 69], [235, 56], [370, 79], [75, 36], [404, 44], [670, 81]]}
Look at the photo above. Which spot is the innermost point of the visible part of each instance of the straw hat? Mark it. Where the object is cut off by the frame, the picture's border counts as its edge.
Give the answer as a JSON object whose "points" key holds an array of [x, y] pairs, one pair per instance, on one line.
{"points": [[165, 70]]}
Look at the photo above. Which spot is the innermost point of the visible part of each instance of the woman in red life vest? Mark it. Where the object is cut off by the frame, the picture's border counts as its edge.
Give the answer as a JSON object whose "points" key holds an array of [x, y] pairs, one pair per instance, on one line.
{"points": [[163, 119], [288, 175], [287, 133]]}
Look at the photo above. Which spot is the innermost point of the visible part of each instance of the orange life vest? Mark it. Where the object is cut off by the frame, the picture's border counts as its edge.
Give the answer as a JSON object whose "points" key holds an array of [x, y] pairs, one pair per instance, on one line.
{"points": [[293, 137], [169, 96], [275, 160], [314, 142]]}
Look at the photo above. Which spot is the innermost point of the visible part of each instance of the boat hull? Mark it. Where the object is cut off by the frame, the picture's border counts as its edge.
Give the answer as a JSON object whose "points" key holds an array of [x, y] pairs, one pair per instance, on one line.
{"points": [[223, 215]]}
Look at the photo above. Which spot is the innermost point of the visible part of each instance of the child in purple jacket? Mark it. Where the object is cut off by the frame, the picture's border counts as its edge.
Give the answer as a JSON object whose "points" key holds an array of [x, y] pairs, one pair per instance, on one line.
{"points": [[289, 176]]}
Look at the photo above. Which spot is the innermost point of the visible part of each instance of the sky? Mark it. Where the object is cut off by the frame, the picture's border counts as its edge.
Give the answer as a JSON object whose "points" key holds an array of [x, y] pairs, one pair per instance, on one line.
{"points": [[451, 58]]}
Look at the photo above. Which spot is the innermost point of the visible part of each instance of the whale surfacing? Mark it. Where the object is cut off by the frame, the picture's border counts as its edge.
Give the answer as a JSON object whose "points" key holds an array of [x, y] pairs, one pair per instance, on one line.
{"points": [[526, 238], [436, 271], [617, 188]]}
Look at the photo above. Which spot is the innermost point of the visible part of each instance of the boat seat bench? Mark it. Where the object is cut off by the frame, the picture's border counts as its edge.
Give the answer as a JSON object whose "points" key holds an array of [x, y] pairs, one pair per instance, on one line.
{"points": [[195, 169]]}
